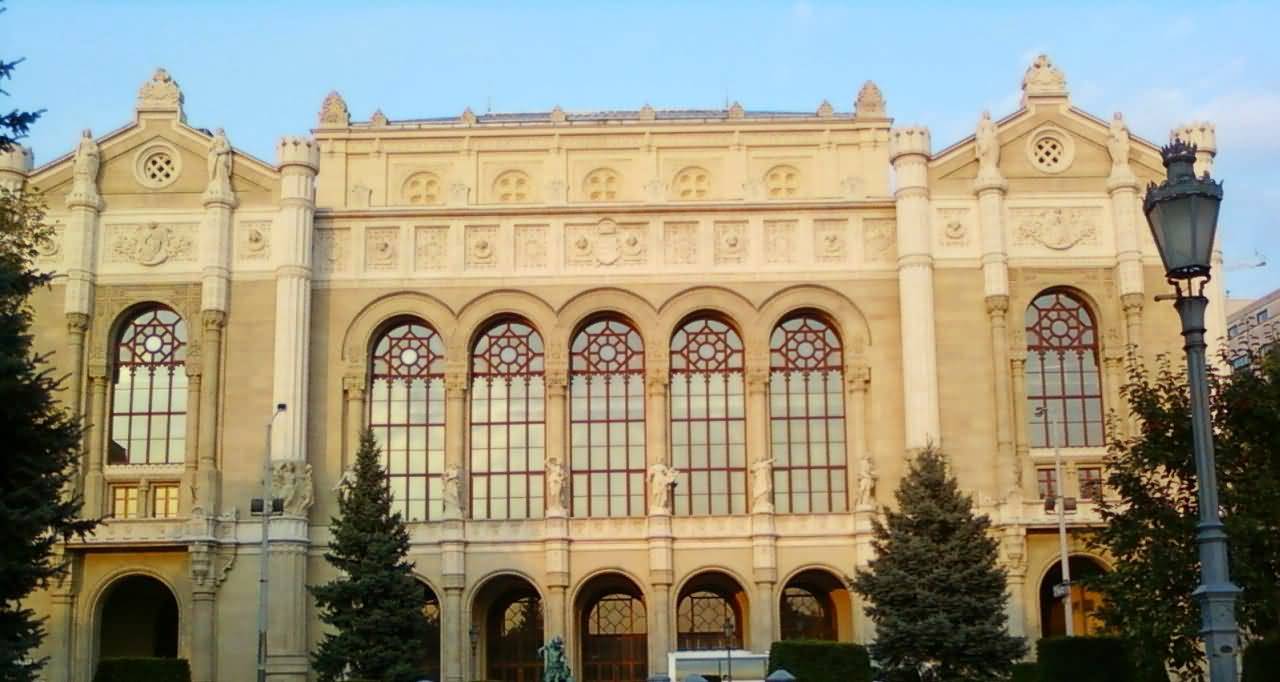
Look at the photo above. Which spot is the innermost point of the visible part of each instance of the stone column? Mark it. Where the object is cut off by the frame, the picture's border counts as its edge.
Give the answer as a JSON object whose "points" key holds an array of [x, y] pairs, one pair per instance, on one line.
{"points": [[1015, 562], [77, 327], [1022, 447], [909, 153], [661, 572], [456, 618], [215, 281], [556, 526], [288, 641], [63, 593], [990, 188], [354, 387], [857, 379], [204, 589], [659, 622], [189, 496], [93, 479], [456, 647], [757, 418], [208, 473], [1008, 464]]}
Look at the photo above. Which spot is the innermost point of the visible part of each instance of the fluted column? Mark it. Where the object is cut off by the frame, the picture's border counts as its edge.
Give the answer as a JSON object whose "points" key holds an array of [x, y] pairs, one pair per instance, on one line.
{"points": [[909, 152], [208, 486], [187, 488], [1021, 446], [990, 188], [1008, 466], [353, 386], [219, 201], [93, 480], [77, 327]]}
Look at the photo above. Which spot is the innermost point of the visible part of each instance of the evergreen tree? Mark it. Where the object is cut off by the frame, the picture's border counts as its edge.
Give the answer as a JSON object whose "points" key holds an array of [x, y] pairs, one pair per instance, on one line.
{"points": [[41, 438], [934, 589], [1151, 513], [13, 125], [375, 605]]}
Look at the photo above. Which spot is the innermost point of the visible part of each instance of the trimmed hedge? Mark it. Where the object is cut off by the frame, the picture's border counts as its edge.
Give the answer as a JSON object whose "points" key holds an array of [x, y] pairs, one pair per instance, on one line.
{"points": [[1097, 659], [149, 669], [819, 661], [1025, 672], [1262, 660]]}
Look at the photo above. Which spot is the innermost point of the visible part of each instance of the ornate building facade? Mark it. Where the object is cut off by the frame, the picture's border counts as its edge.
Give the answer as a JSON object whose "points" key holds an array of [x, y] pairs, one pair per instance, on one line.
{"points": [[641, 378]]}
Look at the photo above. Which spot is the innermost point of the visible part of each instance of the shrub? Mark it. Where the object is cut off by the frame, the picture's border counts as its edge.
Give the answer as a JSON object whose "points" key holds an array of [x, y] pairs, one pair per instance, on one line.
{"points": [[1262, 660], [149, 669], [1097, 659], [1025, 672], [818, 661]]}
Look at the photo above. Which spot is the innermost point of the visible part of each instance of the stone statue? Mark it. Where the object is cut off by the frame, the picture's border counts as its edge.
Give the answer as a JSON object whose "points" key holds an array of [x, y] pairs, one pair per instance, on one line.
{"points": [[346, 481], [762, 485], [556, 479], [88, 159], [867, 478], [452, 488], [554, 666], [1118, 142], [291, 482], [219, 162], [661, 480], [987, 148]]}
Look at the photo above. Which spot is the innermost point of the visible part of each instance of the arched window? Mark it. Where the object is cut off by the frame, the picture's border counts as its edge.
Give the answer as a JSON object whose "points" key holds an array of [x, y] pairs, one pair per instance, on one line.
{"points": [[614, 639], [513, 637], [708, 439], [149, 399], [806, 416], [1064, 392], [429, 663], [1085, 602], [406, 414], [507, 437], [807, 613], [606, 391]]}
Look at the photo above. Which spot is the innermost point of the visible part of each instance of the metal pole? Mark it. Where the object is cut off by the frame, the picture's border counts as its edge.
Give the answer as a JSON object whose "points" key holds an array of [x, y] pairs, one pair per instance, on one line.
{"points": [[1216, 593], [1064, 558], [264, 570]]}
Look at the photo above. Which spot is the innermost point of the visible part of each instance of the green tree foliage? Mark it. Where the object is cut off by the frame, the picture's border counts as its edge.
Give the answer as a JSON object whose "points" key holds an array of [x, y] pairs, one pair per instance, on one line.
{"points": [[1151, 520], [41, 438], [15, 124], [935, 591], [375, 605]]}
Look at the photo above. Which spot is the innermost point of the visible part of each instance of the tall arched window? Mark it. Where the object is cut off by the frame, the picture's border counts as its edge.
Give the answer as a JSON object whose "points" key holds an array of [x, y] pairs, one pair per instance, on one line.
{"points": [[606, 417], [406, 414], [708, 439], [806, 411], [1064, 392], [149, 399], [507, 437]]}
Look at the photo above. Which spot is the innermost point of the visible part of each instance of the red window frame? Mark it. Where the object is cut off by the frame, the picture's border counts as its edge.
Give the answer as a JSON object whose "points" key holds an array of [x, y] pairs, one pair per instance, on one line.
{"points": [[1089, 480], [700, 617], [606, 420], [149, 392], [1047, 482], [807, 613], [806, 417], [1062, 376], [708, 418], [406, 415], [508, 440]]}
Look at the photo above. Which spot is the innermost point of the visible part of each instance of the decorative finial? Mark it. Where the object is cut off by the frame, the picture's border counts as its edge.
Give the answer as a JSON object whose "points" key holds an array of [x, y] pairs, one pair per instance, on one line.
{"points": [[647, 113], [1043, 79], [870, 102], [334, 112], [378, 119], [468, 116], [736, 111], [825, 110], [557, 115], [160, 94], [1201, 133]]}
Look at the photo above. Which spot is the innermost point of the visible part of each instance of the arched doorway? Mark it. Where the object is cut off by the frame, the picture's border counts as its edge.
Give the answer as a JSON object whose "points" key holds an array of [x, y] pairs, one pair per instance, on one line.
{"points": [[1085, 603], [429, 665], [508, 610], [139, 618], [708, 603], [814, 605], [612, 630]]}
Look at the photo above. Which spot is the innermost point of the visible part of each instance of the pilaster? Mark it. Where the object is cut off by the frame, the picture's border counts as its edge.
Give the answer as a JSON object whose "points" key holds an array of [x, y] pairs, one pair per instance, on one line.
{"points": [[208, 486], [63, 594], [759, 464], [353, 390], [1021, 446], [1014, 558], [93, 479], [455, 429], [1007, 462], [909, 153], [658, 527], [77, 327]]}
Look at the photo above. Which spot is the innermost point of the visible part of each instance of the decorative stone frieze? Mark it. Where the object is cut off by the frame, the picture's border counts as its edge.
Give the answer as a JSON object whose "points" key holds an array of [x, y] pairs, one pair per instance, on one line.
{"points": [[151, 244], [830, 243], [680, 242], [1058, 229], [482, 246], [382, 248], [880, 240], [531, 246], [780, 241], [331, 250], [430, 247], [161, 94], [730, 242], [253, 241], [606, 244], [955, 231]]}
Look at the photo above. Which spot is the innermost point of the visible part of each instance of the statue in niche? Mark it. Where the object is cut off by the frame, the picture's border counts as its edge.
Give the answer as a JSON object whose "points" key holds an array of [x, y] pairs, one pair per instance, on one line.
{"points": [[87, 160], [987, 148], [554, 666], [291, 482], [556, 479], [762, 485], [452, 488], [867, 478], [219, 161], [662, 480], [1118, 142]]}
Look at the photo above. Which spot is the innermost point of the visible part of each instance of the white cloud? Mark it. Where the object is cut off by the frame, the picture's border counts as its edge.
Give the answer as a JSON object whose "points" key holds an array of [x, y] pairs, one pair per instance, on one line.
{"points": [[1245, 120]]}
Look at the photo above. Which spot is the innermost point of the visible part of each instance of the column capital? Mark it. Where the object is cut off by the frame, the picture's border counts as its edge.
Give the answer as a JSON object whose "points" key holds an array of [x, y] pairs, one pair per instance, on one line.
{"points": [[213, 320], [98, 371], [1018, 361], [1132, 303], [556, 379], [997, 305], [857, 376], [353, 384], [656, 380], [996, 185], [77, 323], [757, 379]]}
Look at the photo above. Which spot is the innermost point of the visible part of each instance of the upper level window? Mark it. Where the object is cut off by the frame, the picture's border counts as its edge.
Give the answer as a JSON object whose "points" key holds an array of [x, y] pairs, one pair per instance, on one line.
{"points": [[507, 438], [1064, 392], [806, 416], [1264, 315], [149, 398], [512, 187], [692, 183], [782, 182], [606, 417], [406, 415], [601, 185], [708, 439]]}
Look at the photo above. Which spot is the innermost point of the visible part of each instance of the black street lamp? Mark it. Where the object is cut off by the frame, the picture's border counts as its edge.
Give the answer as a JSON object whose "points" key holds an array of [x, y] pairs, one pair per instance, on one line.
{"points": [[1183, 214]]}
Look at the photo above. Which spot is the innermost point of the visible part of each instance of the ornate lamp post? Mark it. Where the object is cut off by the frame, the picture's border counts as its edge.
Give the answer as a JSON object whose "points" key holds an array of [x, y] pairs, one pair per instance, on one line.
{"points": [[1183, 214], [729, 631]]}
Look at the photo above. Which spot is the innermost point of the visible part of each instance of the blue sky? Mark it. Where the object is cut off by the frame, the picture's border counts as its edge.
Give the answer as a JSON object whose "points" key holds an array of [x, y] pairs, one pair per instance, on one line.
{"points": [[260, 69]]}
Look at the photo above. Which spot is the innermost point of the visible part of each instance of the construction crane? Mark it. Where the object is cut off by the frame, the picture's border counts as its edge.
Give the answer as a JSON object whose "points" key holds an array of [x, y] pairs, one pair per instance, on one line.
{"points": [[1258, 261]]}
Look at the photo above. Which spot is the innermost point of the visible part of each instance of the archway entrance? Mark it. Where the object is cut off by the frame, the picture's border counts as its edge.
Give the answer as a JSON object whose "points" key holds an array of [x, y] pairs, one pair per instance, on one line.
{"points": [[508, 610], [429, 666], [613, 630], [710, 603], [1085, 603], [814, 605], [139, 619]]}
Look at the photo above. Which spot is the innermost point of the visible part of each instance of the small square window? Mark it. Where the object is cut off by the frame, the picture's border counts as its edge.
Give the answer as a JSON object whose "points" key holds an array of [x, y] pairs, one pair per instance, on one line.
{"points": [[164, 500], [1264, 315], [1091, 483], [1047, 481], [124, 501]]}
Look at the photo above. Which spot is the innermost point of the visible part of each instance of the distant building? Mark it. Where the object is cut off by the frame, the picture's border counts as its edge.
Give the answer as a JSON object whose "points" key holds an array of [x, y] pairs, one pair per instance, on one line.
{"points": [[1251, 328]]}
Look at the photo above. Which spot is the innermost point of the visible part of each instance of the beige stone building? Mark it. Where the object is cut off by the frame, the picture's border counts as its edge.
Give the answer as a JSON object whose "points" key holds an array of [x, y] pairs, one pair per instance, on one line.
{"points": [[642, 377]]}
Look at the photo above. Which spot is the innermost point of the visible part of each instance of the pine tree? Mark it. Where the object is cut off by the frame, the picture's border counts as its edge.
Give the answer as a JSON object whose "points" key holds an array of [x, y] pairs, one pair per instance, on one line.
{"points": [[934, 590], [375, 605]]}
